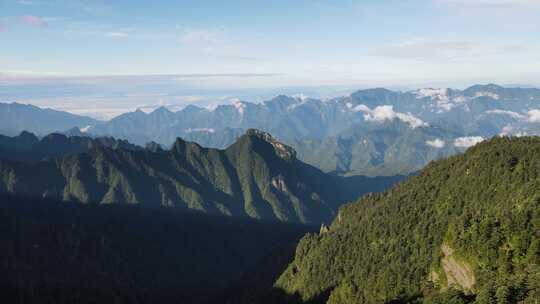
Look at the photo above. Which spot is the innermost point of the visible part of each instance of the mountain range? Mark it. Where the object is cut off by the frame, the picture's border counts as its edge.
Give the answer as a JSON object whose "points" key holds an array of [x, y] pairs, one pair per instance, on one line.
{"points": [[481, 110], [361, 133], [99, 219], [16, 117], [28, 147], [256, 177]]}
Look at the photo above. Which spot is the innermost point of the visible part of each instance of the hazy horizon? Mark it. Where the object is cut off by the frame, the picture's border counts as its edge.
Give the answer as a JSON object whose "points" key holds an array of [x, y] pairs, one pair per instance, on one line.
{"points": [[103, 58], [99, 99]]}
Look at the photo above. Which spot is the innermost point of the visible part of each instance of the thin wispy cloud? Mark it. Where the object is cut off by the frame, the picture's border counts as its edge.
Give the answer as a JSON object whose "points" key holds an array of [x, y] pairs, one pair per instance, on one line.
{"points": [[427, 50], [518, 11], [491, 4], [12, 77], [201, 36], [26, 2], [117, 34], [322, 42], [96, 29], [225, 75], [218, 44], [231, 53], [34, 21]]}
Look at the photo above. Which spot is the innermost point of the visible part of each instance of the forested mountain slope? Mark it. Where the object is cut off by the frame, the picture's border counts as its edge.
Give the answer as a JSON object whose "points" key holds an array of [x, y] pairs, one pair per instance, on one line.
{"points": [[28, 147], [465, 230], [256, 177], [389, 148], [53, 252]]}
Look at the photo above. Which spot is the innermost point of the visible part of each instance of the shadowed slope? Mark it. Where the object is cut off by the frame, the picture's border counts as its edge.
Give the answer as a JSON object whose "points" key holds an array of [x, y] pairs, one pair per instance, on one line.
{"points": [[257, 176]]}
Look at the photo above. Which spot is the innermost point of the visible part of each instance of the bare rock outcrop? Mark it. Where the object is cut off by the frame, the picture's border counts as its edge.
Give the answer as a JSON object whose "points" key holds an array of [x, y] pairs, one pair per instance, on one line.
{"points": [[459, 274]]}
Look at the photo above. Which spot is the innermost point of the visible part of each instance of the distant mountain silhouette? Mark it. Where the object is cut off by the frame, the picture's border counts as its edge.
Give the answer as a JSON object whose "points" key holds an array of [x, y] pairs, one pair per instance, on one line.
{"points": [[361, 133], [15, 118], [28, 147]]}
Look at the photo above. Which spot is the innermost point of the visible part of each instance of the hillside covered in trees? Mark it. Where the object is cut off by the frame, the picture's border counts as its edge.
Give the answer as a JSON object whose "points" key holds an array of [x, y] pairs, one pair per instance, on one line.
{"points": [[53, 252], [465, 230], [256, 177], [28, 147]]}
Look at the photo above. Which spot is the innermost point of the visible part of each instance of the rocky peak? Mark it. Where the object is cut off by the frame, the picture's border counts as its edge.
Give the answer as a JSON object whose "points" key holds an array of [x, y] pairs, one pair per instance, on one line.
{"points": [[182, 147], [281, 149]]}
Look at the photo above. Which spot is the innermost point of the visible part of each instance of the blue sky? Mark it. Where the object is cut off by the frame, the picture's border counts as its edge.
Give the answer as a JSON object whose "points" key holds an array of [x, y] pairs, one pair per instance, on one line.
{"points": [[252, 44]]}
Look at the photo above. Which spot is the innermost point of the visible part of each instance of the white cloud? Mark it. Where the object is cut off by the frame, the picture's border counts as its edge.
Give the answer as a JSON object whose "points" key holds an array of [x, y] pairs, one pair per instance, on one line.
{"points": [[487, 94], [439, 94], [240, 106], [468, 141], [436, 143], [414, 122], [534, 116], [510, 130], [386, 112], [205, 130], [507, 130], [512, 114], [301, 96]]}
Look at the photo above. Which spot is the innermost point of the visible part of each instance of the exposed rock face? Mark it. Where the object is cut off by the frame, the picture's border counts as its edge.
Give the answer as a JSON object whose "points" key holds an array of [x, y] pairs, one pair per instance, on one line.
{"points": [[279, 183], [281, 149], [324, 229], [459, 274]]}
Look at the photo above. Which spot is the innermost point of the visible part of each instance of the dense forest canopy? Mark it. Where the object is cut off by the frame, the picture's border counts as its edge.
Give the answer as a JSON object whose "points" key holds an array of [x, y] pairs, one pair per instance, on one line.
{"points": [[54, 252], [465, 230], [256, 177]]}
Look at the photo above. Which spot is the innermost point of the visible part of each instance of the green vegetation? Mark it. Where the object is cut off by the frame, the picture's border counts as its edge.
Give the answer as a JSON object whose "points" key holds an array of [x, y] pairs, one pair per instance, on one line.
{"points": [[465, 230], [28, 147], [385, 149], [57, 253], [256, 177]]}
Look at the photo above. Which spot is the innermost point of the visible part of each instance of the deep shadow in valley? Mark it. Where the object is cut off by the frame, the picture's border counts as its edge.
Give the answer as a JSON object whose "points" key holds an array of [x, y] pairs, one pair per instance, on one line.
{"points": [[71, 253]]}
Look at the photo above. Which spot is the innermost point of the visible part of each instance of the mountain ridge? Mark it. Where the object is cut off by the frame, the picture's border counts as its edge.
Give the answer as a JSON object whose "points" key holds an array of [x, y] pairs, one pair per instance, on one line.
{"points": [[461, 118], [28, 147], [16, 117], [255, 177]]}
